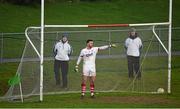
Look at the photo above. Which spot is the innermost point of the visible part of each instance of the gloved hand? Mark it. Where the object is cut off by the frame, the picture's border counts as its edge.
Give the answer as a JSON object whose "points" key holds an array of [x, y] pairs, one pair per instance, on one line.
{"points": [[76, 68], [113, 45]]}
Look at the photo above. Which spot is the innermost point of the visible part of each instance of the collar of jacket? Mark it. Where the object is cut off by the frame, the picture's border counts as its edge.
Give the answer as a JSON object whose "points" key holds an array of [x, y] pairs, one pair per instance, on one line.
{"points": [[133, 37], [63, 42]]}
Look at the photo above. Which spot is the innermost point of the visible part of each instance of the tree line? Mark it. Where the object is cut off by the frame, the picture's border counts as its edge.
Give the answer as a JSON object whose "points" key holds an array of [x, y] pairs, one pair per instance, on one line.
{"points": [[29, 2]]}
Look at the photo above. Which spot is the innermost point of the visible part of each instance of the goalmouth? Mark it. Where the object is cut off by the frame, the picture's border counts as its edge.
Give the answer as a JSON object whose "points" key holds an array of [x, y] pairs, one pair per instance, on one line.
{"points": [[167, 50], [42, 42]]}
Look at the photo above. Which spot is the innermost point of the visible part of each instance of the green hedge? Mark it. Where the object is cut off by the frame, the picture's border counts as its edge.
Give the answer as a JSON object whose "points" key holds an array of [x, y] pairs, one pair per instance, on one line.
{"points": [[30, 2]]}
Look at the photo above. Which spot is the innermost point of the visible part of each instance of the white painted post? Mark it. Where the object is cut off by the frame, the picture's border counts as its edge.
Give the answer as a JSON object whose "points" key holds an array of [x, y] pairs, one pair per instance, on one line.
{"points": [[42, 50], [169, 47]]}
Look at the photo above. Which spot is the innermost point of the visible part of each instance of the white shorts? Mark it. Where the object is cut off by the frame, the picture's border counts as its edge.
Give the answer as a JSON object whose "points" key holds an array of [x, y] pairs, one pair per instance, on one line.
{"points": [[89, 70]]}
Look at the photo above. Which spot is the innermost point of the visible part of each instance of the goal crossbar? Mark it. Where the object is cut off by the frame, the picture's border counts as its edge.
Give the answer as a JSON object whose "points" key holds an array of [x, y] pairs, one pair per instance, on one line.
{"points": [[107, 25]]}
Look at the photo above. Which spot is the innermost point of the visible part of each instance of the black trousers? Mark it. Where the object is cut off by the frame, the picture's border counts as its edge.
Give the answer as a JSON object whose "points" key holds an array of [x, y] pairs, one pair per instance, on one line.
{"points": [[134, 66], [63, 65]]}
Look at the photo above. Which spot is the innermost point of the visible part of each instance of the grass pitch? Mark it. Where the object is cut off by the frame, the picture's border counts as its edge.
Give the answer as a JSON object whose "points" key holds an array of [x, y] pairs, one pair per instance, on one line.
{"points": [[16, 18]]}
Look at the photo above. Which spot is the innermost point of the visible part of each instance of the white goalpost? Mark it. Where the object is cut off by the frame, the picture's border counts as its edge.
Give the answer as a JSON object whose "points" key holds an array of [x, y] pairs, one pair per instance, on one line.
{"points": [[169, 47], [168, 51], [42, 50]]}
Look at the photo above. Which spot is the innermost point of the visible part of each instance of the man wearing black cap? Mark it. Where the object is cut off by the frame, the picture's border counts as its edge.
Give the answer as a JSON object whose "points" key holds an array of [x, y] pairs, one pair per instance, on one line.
{"points": [[62, 51], [133, 45]]}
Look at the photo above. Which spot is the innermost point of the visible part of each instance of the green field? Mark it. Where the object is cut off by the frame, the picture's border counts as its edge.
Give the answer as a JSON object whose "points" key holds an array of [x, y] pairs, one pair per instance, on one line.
{"points": [[15, 18], [103, 100], [110, 99]]}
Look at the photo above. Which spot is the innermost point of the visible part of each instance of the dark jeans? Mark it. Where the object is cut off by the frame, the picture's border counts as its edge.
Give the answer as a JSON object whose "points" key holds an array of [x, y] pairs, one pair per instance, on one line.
{"points": [[64, 70], [134, 66]]}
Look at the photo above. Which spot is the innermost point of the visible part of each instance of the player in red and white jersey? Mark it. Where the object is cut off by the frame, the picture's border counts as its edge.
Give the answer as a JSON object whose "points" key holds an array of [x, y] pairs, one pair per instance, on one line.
{"points": [[88, 55]]}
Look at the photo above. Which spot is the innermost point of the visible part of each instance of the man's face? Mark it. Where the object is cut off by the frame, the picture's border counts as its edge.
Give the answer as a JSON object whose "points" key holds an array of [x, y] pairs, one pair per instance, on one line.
{"points": [[132, 33], [90, 44], [64, 39]]}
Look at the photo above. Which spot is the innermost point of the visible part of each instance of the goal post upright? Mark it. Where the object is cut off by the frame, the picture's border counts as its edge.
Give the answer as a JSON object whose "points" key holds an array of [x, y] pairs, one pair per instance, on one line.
{"points": [[42, 50], [169, 46]]}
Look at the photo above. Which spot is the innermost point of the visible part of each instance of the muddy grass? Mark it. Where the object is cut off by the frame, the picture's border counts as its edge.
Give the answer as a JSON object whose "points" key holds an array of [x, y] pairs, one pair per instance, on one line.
{"points": [[138, 100], [73, 100]]}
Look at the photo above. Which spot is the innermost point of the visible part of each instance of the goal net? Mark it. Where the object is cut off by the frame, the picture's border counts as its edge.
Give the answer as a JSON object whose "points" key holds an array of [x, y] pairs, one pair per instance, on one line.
{"points": [[111, 64]]}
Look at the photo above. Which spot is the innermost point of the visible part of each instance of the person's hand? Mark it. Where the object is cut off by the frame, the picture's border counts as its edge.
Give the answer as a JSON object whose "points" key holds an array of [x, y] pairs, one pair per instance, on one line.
{"points": [[76, 68]]}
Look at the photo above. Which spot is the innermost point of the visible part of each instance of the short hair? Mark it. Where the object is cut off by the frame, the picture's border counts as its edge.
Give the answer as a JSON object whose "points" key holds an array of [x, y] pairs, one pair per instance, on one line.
{"points": [[64, 35], [89, 40], [132, 30]]}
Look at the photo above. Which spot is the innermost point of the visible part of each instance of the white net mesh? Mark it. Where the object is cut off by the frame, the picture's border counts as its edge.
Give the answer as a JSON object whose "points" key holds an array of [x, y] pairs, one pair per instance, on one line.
{"points": [[111, 64]]}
